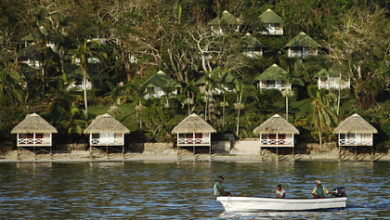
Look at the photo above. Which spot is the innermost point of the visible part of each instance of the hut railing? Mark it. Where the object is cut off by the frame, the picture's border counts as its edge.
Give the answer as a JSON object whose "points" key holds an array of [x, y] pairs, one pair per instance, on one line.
{"points": [[271, 142], [355, 142], [107, 141], [193, 141], [33, 141], [333, 83]]}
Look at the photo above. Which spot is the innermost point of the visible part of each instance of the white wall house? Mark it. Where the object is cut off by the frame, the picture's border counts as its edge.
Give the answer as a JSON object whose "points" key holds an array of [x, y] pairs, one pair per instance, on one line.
{"points": [[272, 23]]}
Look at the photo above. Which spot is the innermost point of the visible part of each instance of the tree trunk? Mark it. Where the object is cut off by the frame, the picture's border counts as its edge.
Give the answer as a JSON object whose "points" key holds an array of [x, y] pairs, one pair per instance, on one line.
{"points": [[287, 107], [85, 90], [320, 136], [238, 114], [338, 97], [223, 111]]}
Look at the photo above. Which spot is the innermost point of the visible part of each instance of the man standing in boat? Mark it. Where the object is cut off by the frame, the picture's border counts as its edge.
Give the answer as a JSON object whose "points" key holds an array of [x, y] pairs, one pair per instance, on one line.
{"points": [[319, 191], [218, 188]]}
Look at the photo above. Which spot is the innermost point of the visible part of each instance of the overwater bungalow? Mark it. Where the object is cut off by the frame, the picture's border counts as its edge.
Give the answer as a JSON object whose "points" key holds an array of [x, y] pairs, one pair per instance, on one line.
{"points": [[193, 131], [272, 23], [273, 77], [160, 83], [251, 46], [34, 131], [106, 131], [302, 45], [355, 131], [276, 132], [223, 23], [328, 79]]}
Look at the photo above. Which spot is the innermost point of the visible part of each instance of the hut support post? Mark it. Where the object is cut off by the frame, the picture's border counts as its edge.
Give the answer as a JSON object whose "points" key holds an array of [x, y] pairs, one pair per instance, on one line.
{"points": [[372, 151], [339, 147], [107, 152], [17, 143], [34, 141], [90, 145]]}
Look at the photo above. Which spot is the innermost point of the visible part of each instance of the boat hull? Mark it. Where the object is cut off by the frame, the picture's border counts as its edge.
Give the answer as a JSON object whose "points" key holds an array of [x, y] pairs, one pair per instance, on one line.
{"points": [[248, 204]]}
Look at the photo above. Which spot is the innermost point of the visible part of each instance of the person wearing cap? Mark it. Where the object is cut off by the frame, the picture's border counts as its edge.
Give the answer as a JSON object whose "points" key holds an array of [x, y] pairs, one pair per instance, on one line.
{"points": [[218, 188], [319, 191]]}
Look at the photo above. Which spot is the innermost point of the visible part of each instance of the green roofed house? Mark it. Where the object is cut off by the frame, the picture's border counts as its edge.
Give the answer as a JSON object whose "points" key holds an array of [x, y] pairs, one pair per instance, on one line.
{"points": [[251, 46], [225, 22], [328, 79], [302, 45], [272, 23], [273, 77], [159, 84]]}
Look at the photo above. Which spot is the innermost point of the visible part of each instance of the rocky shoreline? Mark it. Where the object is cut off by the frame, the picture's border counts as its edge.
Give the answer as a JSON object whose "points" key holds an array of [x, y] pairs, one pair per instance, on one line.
{"points": [[99, 156]]}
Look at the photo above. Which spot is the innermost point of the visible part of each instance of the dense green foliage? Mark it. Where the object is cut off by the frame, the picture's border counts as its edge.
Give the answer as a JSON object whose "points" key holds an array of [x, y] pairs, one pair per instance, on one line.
{"points": [[118, 44]]}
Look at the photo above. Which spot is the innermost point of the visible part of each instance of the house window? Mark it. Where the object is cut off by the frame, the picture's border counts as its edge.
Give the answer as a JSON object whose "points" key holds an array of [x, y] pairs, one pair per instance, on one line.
{"points": [[39, 135], [95, 136], [198, 135], [189, 136], [182, 135], [272, 136], [264, 136], [282, 136], [29, 135]]}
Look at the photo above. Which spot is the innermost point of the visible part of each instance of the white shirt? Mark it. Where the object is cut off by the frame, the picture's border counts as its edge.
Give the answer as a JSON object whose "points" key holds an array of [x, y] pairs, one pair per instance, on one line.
{"points": [[280, 193]]}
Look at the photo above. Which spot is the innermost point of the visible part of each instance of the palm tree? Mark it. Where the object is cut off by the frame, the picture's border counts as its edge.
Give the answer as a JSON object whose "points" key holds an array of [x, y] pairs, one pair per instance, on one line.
{"points": [[84, 50], [10, 84], [287, 92], [323, 110]]}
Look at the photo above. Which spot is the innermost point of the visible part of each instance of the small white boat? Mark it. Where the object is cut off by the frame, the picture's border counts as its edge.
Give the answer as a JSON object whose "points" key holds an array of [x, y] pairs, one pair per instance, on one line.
{"points": [[251, 204]]}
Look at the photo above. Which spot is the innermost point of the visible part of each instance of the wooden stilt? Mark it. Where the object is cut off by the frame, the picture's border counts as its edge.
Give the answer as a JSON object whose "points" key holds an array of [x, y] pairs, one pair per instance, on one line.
{"points": [[372, 152], [34, 153], [261, 155], [355, 151], [123, 152], [51, 153], [17, 153], [193, 150], [293, 151], [277, 151], [90, 151], [339, 151], [106, 152]]}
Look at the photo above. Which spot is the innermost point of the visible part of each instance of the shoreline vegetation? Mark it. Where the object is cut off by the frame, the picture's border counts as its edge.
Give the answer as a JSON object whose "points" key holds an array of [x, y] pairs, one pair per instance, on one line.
{"points": [[122, 72]]}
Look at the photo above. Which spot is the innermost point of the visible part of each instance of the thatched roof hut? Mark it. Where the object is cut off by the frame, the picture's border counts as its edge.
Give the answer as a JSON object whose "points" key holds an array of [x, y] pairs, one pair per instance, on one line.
{"points": [[251, 43], [193, 124], [302, 40], [355, 124], [276, 124], [270, 17], [160, 80], [106, 124], [226, 19], [273, 72], [33, 123]]}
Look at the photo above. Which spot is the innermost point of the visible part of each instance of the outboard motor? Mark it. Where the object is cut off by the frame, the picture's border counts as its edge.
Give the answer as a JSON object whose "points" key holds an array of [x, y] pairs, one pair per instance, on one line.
{"points": [[339, 192]]}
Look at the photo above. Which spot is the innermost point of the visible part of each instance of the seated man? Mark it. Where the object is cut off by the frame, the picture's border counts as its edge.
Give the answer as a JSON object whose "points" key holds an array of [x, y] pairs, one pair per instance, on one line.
{"points": [[319, 191], [280, 193], [218, 189]]}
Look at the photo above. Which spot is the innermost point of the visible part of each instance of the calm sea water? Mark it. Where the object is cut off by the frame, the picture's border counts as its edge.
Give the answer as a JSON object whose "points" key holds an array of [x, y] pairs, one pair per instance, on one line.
{"points": [[182, 191]]}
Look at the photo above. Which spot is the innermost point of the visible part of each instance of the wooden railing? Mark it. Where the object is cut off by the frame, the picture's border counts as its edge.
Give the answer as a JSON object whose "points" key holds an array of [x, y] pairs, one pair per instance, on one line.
{"points": [[106, 141], [34, 141], [276, 142], [355, 142], [193, 141]]}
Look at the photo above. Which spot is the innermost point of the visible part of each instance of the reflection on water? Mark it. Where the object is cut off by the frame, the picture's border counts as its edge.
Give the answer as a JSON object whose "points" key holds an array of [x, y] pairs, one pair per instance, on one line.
{"points": [[182, 190]]}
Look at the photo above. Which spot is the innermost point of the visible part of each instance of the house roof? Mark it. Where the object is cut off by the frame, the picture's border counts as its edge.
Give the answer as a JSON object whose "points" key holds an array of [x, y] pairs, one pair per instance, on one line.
{"points": [[329, 72], [33, 123], [302, 40], [270, 17], [160, 80], [276, 124], [106, 124], [193, 123], [226, 19], [273, 72], [251, 43], [355, 124]]}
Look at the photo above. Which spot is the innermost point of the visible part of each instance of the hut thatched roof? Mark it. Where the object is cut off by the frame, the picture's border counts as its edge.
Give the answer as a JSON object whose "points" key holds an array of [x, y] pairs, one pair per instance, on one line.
{"points": [[273, 72], [193, 123], [106, 124], [302, 40], [226, 19], [276, 124], [270, 17], [160, 80], [33, 123], [355, 124], [330, 72], [251, 43]]}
